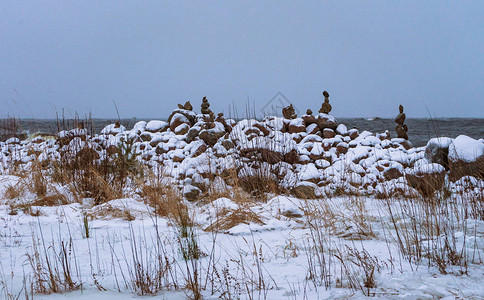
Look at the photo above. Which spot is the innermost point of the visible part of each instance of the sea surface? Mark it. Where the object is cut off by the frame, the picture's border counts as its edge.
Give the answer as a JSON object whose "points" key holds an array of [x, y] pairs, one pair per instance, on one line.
{"points": [[419, 130]]}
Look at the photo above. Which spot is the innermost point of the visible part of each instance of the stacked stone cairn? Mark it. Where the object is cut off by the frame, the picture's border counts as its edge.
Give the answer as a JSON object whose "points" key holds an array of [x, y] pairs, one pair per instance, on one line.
{"points": [[187, 106], [325, 107], [401, 128], [322, 124], [205, 108]]}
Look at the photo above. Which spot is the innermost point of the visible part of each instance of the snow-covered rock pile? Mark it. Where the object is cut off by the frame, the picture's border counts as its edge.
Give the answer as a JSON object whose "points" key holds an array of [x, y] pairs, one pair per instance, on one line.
{"points": [[311, 155]]}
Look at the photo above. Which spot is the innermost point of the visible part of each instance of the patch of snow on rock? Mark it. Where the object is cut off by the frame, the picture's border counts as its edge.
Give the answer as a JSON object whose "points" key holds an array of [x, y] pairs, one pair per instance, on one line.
{"points": [[466, 149]]}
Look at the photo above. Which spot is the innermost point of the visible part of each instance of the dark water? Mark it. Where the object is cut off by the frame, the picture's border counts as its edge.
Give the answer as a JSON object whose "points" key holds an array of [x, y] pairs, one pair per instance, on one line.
{"points": [[419, 130]]}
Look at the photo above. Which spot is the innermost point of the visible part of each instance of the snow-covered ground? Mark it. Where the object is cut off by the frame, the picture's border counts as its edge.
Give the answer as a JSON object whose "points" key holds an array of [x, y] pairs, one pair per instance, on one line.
{"points": [[336, 240], [256, 209]]}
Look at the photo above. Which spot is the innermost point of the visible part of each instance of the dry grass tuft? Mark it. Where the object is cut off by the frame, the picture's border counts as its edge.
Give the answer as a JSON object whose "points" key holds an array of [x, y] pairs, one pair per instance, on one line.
{"points": [[166, 201], [52, 200], [14, 192], [109, 212], [241, 215]]}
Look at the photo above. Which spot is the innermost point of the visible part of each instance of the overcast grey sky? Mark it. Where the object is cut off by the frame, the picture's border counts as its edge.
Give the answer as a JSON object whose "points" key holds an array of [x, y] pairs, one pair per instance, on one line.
{"points": [[148, 56]]}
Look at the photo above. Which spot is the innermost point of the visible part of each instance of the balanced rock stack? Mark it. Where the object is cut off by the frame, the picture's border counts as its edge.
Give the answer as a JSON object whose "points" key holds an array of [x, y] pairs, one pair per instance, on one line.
{"points": [[401, 128], [289, 112], [182, 119], [187, 106], [205, 108], [324, 120], [325, 107], [322, 124]]}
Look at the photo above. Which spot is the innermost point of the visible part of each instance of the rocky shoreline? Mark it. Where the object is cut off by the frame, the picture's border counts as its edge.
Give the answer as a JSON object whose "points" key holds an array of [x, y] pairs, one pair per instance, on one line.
{"points": [[308, 156]]}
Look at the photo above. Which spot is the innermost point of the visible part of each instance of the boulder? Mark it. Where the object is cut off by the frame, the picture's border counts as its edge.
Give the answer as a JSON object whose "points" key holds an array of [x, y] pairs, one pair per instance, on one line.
{"points": [[156, 126], [113, 129], [400, 142], [325, 107], [328, 133], [342, 148], [296, 126], [289, 112], [227, 144], [392, 172], [309, 172], [466, 158], [353, 134], [192, 134], [341, 129], [312, 129], [210, 136], [146, 136], [16, 140], [291, 157], [326, 121], [160, 150], [322, 163], [305, 190], [191, 193], [383, 136], [308, 120], [181, 129], [263, 129], [177, 155], [262, 154], [437, 151], [178, 119], [252, 131], [426, 179], [198, 149], [190, 118]]}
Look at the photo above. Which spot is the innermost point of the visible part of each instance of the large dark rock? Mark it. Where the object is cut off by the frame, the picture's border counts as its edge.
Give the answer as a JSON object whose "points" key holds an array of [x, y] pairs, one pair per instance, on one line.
{"points": [[157, 126], [192, 134], [146, 136], [263, 154], [326, 121], [191, 193], [181, 129], [328, 133], [342, 148], [392, 173], [353, 133], [400, 119], [210, 137], [291, 157], [466, 158], [308, 119], [189, 115], [296, 126], [177, 120], [305, 190], [426, 179], [437, 151]]}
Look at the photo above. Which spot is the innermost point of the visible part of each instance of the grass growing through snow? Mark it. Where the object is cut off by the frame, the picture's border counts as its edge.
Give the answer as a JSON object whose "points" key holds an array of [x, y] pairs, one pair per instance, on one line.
{"points": [[438, 231]]}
